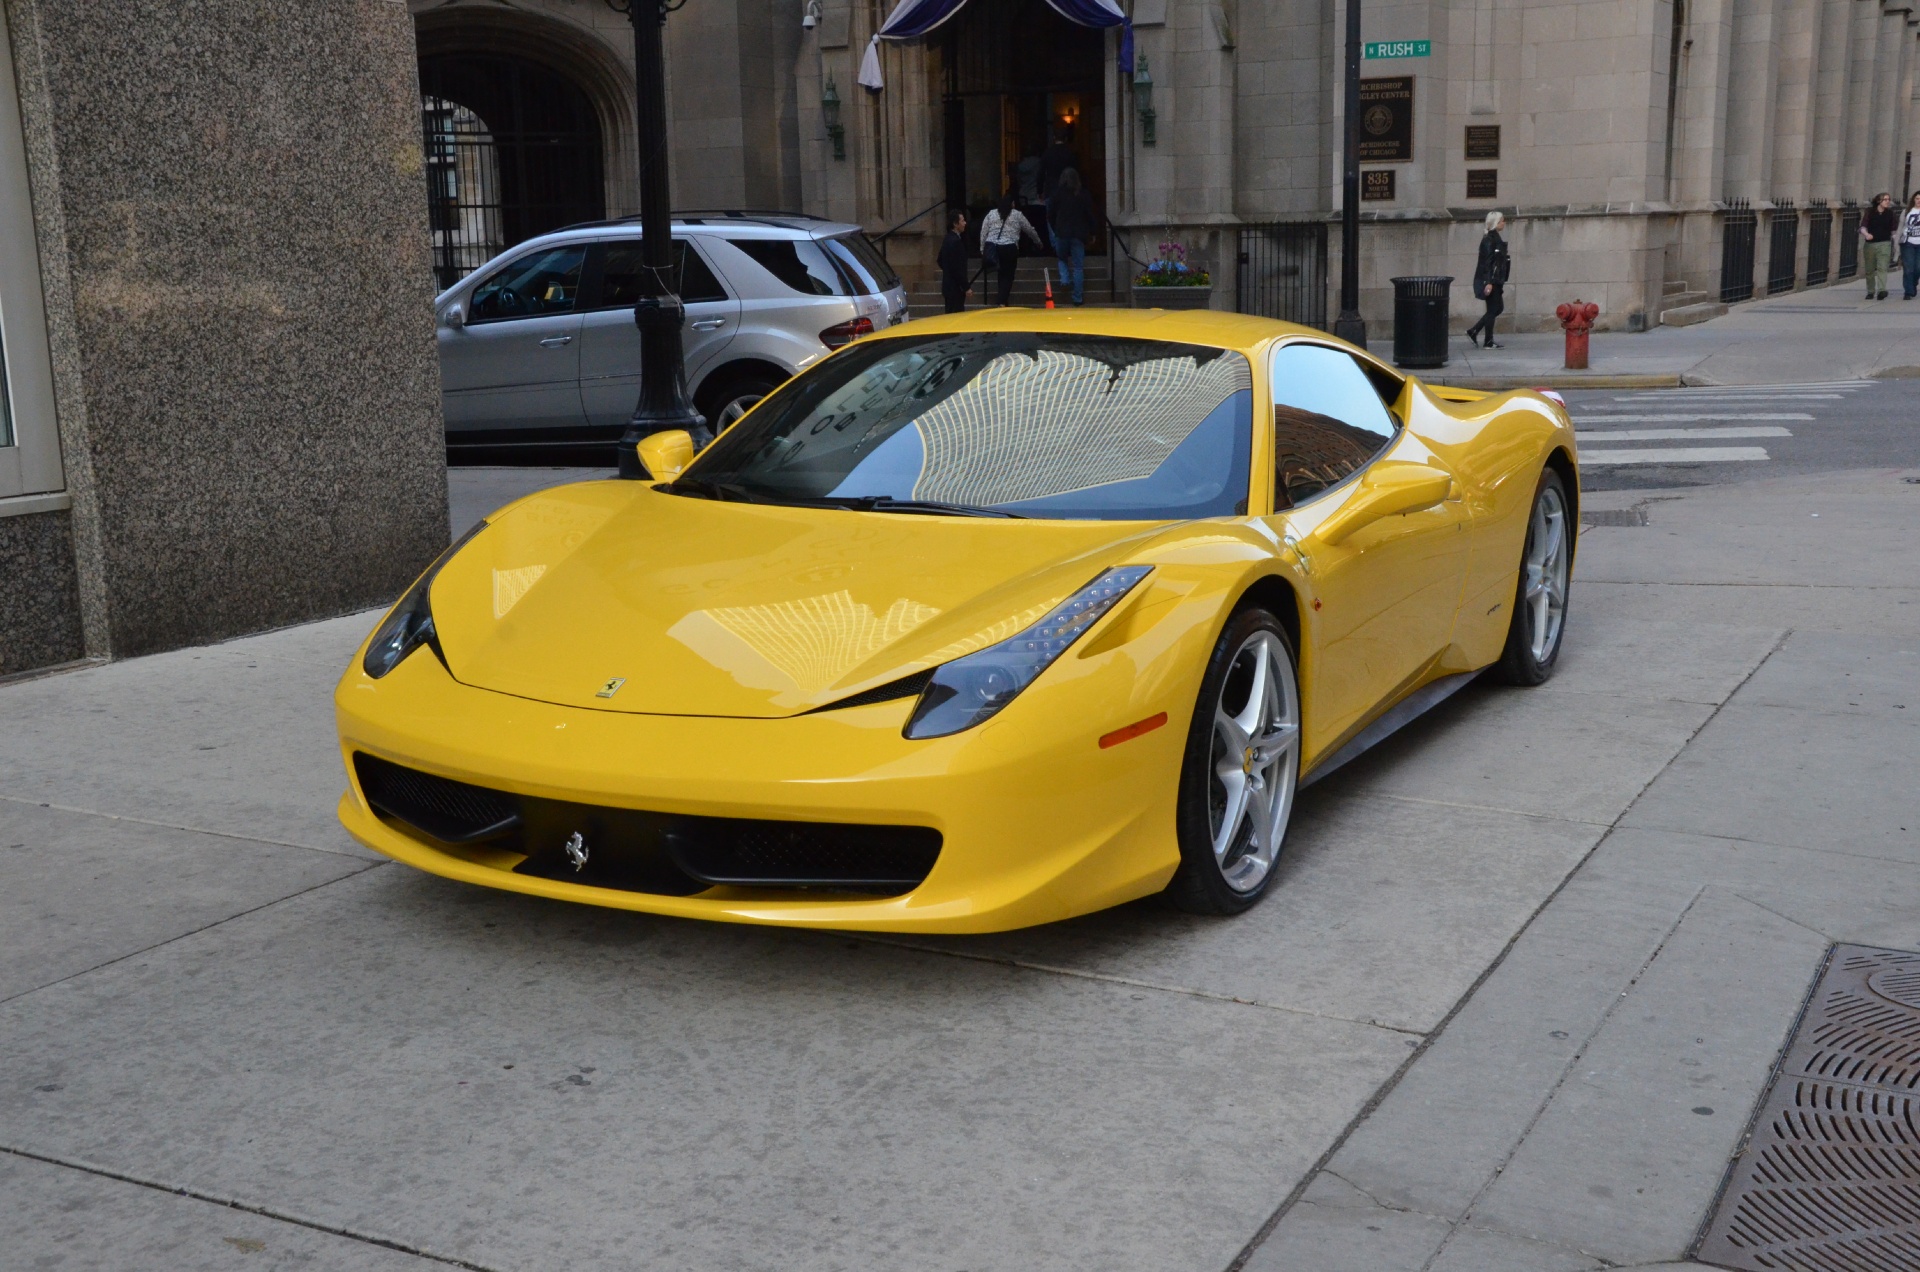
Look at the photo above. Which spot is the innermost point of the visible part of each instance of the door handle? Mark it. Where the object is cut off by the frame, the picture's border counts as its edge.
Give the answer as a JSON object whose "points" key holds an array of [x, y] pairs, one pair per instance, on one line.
{"points": [[554, 342], [709, 324]]}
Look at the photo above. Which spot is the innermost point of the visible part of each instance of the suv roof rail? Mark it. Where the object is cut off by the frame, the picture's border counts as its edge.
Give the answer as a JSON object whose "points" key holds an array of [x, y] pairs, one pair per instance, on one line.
{"points": [[698, 214]]}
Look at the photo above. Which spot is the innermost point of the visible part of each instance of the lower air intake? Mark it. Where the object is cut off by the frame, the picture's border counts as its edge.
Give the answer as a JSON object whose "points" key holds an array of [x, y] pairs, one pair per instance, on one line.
{"points": [[633, 850]]}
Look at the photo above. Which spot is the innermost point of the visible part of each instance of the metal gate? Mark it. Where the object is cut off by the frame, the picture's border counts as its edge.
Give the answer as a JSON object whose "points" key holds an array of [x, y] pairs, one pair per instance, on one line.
{"points": [[1849, 239], [512, 150], [1283, 272], [1737, 231], [1819, 241], [1783, 246]]}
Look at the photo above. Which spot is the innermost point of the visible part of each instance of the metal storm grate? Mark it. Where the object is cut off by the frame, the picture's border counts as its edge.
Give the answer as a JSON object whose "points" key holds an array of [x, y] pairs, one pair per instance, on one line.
{"points": [[1829, 1179]]}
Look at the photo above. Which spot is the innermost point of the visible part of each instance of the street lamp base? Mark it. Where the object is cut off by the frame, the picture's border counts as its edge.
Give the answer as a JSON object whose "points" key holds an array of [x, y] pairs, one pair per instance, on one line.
{"points": [[1352, 328]]}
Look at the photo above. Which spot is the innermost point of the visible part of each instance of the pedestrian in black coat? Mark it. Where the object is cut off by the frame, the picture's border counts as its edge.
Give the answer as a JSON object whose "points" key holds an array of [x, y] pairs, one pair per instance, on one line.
{"points": [[1490, 278], [954, 264]]}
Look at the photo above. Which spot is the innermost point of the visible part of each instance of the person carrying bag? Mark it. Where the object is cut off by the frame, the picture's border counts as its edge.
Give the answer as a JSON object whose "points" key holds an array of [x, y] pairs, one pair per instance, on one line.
{"points": [[1000, 235]]}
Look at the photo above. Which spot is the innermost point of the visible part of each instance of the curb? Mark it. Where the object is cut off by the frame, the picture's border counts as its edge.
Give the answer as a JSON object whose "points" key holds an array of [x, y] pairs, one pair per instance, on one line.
{"points": [[1559, 380]]}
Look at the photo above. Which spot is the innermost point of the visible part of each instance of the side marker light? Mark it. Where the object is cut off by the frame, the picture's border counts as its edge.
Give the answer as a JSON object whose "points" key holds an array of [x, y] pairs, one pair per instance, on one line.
{"points": [[1133, 730]]}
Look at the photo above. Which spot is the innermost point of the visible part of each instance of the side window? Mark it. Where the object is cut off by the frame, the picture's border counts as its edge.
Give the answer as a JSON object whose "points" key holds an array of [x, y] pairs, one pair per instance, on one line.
{"points": [[620, 275], [542, 283], [1328, 420], [799, 263]]}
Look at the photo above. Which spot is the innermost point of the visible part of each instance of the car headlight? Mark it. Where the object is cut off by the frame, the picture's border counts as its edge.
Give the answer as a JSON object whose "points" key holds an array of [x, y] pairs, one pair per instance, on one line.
{"points": [[969, 690], [409, 624]]}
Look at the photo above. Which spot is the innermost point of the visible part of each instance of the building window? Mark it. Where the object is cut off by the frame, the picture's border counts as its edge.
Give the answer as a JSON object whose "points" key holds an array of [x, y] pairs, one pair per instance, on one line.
{"points": [[30, 474]]}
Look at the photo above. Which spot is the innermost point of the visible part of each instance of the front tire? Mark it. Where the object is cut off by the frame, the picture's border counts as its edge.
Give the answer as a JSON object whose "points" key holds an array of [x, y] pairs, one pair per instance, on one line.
{"points": [[1540, 598], [1241, 770]]}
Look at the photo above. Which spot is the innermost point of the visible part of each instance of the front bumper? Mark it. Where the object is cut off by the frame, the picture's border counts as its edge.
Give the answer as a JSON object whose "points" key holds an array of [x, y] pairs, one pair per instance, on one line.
{"points": [[1038, 822]]}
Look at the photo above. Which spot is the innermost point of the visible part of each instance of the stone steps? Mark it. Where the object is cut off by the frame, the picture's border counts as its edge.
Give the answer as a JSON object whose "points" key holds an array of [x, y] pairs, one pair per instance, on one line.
{"points": [[1687, 315]]}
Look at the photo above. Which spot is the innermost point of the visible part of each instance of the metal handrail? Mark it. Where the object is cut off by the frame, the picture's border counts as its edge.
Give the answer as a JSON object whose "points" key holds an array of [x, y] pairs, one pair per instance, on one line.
{"points": [[1126, 249], [880, 241]]}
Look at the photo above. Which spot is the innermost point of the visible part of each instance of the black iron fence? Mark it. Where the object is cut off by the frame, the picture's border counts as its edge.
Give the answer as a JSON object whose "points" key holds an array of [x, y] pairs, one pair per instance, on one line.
{"points": [[1819, 240], [1783, 246], [1739, 226], [1849, 239], [1283, 272]]}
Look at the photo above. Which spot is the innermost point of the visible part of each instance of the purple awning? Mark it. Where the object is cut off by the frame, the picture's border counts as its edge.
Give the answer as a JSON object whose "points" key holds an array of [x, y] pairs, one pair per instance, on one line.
{"points": [[912, 19]]}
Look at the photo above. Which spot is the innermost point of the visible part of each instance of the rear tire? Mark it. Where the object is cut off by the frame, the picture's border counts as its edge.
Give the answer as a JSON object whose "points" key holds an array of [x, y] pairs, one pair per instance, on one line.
{"points": [[731, 394], [1241, 770], [1539, 622]]}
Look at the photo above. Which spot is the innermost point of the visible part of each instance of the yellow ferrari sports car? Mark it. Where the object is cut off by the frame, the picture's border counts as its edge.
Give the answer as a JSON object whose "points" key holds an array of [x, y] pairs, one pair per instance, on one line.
{"points": [[982, 622]]}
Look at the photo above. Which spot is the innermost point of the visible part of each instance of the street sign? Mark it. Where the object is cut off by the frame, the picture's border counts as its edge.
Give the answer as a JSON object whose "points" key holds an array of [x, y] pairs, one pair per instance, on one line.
{"points": [[1400, 48]]}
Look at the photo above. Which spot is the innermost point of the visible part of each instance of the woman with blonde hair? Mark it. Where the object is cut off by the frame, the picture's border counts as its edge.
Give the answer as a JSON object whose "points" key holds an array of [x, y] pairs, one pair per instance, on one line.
{"points": [[1490, 278]]}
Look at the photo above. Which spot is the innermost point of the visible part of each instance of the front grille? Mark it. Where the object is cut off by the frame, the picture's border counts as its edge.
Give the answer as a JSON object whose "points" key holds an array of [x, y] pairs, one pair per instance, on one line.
{"points": [[815, 854], [637, 851], [450, 811]]}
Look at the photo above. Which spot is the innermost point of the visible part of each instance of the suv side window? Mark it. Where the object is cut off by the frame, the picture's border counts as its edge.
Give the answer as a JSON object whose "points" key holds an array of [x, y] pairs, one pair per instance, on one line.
{"points": [[542, 283], [1328, 420], [799, 263], [620, 274]]}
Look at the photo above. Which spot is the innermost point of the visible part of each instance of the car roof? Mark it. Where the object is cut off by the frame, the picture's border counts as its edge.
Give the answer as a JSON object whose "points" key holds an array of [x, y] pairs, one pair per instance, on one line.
{"points": [[770, 224], [1242, 332]]}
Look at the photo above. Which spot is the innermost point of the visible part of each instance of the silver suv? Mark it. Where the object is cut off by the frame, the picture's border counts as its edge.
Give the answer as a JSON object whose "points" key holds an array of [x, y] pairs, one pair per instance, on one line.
{"points": [[538, 346]]}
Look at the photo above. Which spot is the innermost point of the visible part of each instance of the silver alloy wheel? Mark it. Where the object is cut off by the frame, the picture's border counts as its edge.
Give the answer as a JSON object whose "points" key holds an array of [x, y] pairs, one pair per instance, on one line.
{"points": [[1256, 760], [1545, 596], [735, 408]]}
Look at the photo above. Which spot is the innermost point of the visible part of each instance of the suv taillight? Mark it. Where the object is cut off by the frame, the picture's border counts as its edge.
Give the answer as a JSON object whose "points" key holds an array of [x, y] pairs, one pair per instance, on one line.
{"points": [[846, 332]]}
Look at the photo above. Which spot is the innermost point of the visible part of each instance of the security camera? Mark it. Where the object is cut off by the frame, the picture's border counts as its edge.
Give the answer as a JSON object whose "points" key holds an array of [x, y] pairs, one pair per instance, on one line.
{"points": [[812, 19]]}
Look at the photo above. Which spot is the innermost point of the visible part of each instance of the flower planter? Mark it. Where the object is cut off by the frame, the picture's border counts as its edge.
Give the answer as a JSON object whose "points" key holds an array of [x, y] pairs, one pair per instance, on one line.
{"points": [[1173, 297]]}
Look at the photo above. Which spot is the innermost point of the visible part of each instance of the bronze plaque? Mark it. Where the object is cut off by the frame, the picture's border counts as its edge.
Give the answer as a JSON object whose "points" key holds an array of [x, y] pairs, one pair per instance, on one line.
{"points": [[1483, 183], [1386, 119], [1377, 185], [1483, 141]]}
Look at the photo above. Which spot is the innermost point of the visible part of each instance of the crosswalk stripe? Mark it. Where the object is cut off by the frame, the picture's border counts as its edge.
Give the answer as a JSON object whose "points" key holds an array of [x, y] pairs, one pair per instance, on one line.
{"points": [[1678, 434], [1675, 455], [1693, 418]]}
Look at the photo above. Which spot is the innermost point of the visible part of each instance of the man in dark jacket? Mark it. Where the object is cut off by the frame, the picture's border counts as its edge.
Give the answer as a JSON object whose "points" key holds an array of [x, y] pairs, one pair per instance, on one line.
{"points": [[1070, 218], [1490, 278], [954, 264]]}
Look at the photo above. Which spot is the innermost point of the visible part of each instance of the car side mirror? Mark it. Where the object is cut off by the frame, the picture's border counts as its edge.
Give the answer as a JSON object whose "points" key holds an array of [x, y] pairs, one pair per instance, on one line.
{"points": [[666, 455], [456, 315], [1389, 488]]}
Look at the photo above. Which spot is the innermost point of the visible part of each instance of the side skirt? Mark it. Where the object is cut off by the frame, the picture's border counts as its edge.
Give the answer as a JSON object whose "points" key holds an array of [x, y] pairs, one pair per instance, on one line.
{"points": [[1401, 714]]}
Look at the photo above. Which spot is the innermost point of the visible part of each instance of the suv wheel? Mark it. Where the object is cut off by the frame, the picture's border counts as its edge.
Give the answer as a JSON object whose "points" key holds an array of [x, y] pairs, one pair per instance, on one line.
{"points": [[731, 394]]}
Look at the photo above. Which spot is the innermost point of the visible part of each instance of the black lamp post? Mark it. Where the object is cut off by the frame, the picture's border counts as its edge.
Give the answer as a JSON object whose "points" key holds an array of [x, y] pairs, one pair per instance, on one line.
{"points": [[658, 312], [1349, 325]]}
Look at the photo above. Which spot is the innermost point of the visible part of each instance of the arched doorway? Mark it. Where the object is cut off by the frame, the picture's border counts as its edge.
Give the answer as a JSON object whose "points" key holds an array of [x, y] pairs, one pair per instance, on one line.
{"points": [[1019, 74], [513, 150]]}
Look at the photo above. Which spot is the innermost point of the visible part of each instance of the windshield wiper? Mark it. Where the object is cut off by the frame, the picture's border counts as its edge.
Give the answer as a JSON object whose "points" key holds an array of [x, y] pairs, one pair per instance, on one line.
{"points": [[928, 507]]}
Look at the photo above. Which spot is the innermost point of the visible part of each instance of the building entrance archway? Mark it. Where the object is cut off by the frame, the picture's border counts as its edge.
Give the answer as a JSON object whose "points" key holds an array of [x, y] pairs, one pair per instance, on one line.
{"points": [[1018, 73], [513, 150]]}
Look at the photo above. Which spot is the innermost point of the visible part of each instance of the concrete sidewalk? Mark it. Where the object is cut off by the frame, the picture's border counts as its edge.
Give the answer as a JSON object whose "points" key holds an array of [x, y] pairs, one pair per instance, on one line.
{"points": [[1825, 334], [1510, 954]]}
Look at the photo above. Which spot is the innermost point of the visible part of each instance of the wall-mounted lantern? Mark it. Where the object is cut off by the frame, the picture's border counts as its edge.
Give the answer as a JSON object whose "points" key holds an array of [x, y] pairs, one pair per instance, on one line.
{"points": [[830, 111], [1143, 100]]}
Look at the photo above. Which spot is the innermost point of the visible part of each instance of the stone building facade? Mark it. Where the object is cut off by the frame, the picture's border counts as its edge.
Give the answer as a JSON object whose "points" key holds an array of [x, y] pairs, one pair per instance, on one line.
{"points": [[1617, 134], [221, 400]]}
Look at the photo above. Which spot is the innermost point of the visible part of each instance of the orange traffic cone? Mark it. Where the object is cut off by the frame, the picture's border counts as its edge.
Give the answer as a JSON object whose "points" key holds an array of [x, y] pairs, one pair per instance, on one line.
{"points": [[1047, 278]]}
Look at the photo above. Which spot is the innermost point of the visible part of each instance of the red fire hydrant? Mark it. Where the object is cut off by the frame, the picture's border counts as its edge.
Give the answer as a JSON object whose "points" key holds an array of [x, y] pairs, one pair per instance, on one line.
{"points": [[1577, 321]]}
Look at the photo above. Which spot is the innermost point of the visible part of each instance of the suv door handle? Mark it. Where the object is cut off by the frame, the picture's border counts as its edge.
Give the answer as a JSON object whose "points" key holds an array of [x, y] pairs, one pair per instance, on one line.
{"points": [[554, 342], [709, 324]]}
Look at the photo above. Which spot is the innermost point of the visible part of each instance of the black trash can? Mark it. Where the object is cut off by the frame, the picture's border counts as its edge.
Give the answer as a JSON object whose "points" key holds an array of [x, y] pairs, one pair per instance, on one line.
{"points": [[1420, 321]]}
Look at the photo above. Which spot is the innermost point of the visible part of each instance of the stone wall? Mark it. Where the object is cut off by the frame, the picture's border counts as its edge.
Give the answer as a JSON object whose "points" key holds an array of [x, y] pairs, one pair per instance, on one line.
{"points": [[231, 218]]}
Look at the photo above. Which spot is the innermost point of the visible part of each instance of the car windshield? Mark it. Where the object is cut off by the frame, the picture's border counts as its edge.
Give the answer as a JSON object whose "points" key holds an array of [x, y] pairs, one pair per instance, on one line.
{"points": [[1024, 423]]}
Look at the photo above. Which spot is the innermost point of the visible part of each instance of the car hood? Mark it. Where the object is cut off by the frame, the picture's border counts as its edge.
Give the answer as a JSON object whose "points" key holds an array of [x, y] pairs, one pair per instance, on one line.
{"points": [[727, 609]]}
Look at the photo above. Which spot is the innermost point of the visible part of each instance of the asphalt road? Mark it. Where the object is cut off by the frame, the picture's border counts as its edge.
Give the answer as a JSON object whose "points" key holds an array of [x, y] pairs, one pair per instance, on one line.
{"points": [[1671, 438]]}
